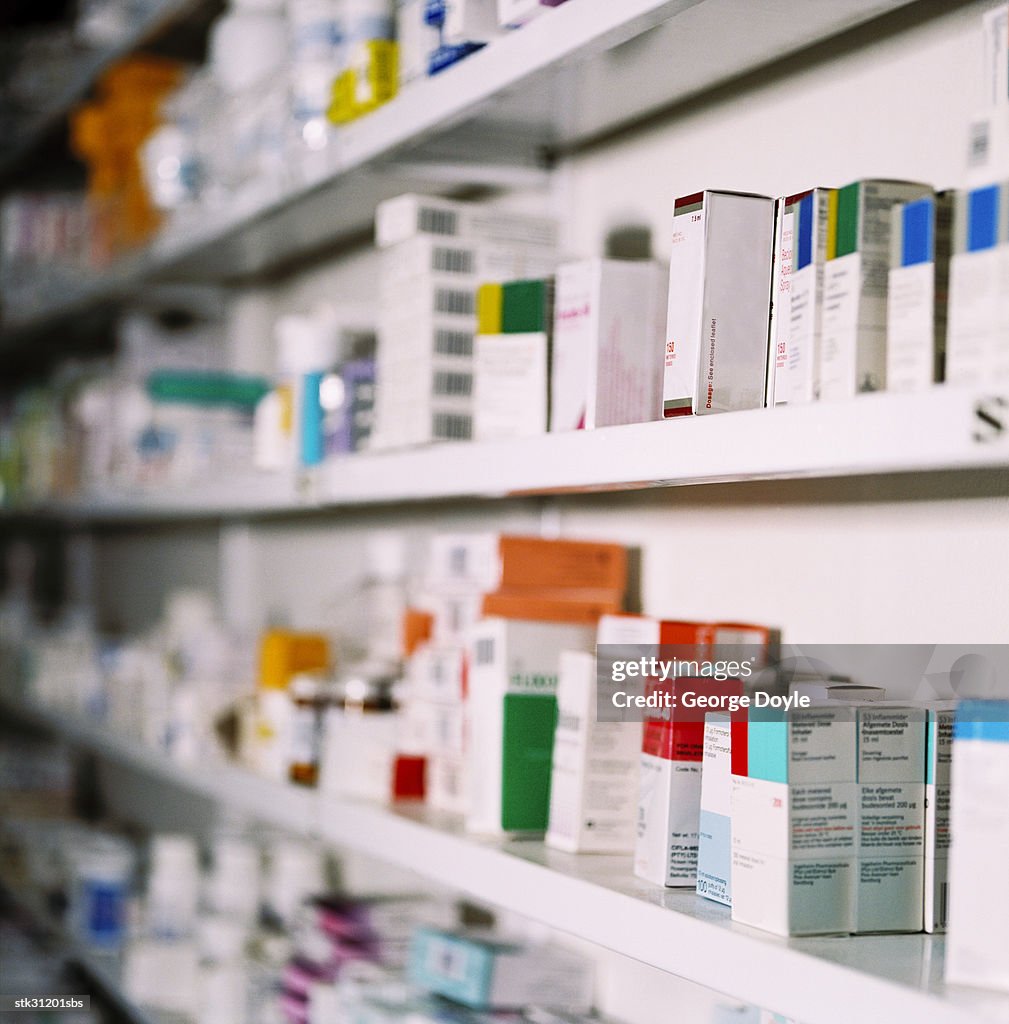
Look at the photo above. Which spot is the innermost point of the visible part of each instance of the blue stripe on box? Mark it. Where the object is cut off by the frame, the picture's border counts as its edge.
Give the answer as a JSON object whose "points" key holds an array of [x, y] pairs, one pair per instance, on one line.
{"points": [[982, 218], [919, 232], [982, 720], [804, 233]]}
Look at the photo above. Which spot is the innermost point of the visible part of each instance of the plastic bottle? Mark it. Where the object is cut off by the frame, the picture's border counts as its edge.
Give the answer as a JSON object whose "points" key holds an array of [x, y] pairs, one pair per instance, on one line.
{"points": [[173, 886], [308, 701], [101, 878], [369, 76]]}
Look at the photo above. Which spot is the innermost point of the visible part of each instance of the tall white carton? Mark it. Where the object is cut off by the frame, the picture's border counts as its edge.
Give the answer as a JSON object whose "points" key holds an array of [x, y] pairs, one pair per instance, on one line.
{"points": [[978, 929], [511, 715], [977, 340], [890, 841], [719, 303], [855, 285], [920, 243], [714, 832], [797, 354], [794, 821], [607, 354], [594, 784], [938, 761]]}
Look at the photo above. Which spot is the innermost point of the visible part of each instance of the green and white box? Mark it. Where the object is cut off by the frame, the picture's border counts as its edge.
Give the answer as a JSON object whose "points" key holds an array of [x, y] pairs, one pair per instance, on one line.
{"points": [[511, 713], [856, 285]]}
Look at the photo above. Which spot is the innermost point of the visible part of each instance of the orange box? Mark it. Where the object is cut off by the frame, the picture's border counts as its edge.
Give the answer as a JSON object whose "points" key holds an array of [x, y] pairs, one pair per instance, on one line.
{"points": [[283, 653], [578, 607]]}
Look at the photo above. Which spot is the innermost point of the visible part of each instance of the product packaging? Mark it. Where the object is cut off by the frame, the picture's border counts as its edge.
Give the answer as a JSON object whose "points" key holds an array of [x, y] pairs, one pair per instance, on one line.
{"points": [[795, 820], [938, 762], [717, 325], [594, 779], [607, 344], [977, 341], [978, 929], [511, 714], [855, 285], [920, 250]]}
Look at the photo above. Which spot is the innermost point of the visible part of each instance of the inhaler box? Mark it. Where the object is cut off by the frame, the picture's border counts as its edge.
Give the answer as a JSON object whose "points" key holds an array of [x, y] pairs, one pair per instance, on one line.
{"points": [[978, 929], [511, 386], [977, 339], [938, 761], [594, 782], [669, 797], [714, 830], [794, 820], [485, 971], [607, 353], [890, 841], [920, 249], [855, 283], [406, 216], [511, 713], [719, 303], [797, 318]]}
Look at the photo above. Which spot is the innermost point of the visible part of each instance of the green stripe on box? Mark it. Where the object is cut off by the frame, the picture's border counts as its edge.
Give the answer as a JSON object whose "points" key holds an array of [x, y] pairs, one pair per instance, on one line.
{"points": [[524, 307], [847, 218], [528, 746]]}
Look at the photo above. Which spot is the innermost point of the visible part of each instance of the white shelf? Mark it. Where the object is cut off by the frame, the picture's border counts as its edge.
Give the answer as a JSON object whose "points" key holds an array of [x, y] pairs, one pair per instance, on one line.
{"points": [[578, 72], [870, 435], [830, 980]]}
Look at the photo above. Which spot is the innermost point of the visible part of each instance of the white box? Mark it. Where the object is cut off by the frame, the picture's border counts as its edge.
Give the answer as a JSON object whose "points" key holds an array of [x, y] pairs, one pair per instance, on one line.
{"points": [[512, 671], [415, 39], [938, 761], [470, 21], [855, 282], [607, 355], [891, 823], [669, 797], [794, 820], [447, 785], [797, 320], [425, 256], [714, 831], [920, 249], [408, 215], [719, 303], [511, 386], [977, 339], [978, 930], [435, 673], [594, 779]]}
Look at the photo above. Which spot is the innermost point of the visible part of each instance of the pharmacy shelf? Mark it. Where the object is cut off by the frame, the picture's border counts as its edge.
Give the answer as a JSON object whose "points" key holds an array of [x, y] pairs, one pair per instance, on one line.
{"points": [[577, 73], [597, 898], [96, 968], [86, 69], [941, 430]]}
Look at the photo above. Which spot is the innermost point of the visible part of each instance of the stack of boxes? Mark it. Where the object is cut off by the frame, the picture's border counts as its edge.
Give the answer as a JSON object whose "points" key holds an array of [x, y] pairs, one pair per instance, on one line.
{"points": [[434, 255]]}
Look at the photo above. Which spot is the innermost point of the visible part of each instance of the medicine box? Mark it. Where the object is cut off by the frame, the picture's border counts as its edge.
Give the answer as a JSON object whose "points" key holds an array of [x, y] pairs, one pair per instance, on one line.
{"points": [[607, 367], [938, 762], [714, 830], [406, 216], [594, 781], [920, 251], [511, 386], [794, 820], [669, 795], [978, 929], [719, 303], [797, 317], [890, 843], [855, 285], [977, 340], [487, 972], [511, 714]]}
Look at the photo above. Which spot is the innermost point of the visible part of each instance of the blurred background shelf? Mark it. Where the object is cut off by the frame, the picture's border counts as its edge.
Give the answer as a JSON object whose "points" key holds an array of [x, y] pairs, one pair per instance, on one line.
{"points": [[942, 430], [496, 119]]}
